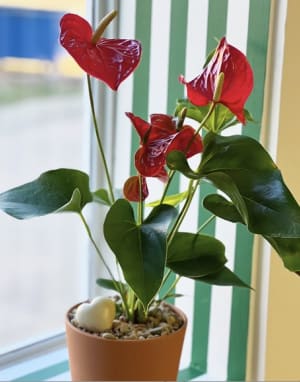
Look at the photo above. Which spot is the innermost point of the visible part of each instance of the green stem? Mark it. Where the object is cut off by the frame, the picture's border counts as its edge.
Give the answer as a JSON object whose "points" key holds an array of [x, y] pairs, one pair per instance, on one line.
{"points": [[166, 276], [183, 212], [99, 142], [116, 285], [203, 122], [131, 304], [140, 211], [173, 285], [192, 184], [171, 176], [211, 218]]}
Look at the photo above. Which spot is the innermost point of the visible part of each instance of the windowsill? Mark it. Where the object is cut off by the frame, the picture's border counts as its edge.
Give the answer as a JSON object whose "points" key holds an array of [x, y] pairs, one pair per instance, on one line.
{"points": [[44, 361]]}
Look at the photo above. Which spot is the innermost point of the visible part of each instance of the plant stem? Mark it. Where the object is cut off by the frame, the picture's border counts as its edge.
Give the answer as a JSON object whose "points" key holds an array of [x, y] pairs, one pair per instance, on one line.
{"points": [[99, 142], [116, 285], [131, 304], [192, 184], [211, 218], [173, 285], [171, 176], [140, 211], [183, 212]]}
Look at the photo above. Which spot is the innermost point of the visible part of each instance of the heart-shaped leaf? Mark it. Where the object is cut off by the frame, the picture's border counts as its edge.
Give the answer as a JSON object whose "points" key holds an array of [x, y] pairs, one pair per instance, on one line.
{"points": [[195, 255], [102, 196], [110, 284], [241, 167], [172, 200], [223, 277], [287, 248], [222, 207], [139, 249], [176, 160], [221, 117], [54, 191]]}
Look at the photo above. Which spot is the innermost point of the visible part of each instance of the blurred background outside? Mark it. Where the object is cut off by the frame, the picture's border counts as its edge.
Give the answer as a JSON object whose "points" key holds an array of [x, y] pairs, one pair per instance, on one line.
{"points": [[41, 128]]}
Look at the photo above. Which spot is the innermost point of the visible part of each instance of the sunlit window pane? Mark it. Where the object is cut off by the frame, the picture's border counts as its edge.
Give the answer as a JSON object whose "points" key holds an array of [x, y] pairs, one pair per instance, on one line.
{"points": [[43, 260]]}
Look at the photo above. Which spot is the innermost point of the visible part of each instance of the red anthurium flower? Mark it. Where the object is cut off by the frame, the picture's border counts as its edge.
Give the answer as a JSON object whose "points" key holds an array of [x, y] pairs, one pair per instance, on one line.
{"points": [[131, 189], [110, 60], [158, 138], [238, 80]]}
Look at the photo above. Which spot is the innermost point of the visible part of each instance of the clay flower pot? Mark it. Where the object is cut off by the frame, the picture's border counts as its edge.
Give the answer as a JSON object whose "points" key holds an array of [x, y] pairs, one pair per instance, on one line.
{"points": [[95, 358]]}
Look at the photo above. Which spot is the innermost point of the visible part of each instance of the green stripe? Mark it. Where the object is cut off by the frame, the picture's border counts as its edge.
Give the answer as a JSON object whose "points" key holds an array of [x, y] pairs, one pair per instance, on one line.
{"points": [[177, 53], [141, 75], [45, 373], [217, 14], [217, 19], [256, 53]]}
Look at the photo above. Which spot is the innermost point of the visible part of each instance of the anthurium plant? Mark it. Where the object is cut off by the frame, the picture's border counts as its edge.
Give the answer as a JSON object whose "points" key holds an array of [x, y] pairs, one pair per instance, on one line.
{"points": [[149, 248]]}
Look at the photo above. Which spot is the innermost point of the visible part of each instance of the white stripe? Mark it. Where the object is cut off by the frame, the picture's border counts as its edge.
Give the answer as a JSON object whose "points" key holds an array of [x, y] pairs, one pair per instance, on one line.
{"points": [[196, 37], [159, 56], [124, 103], [220, 314], [237, 23]]}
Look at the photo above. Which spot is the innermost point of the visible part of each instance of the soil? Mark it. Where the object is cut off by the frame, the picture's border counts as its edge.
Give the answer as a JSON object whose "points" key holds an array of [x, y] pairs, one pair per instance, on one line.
{"points": [[162, 320]]}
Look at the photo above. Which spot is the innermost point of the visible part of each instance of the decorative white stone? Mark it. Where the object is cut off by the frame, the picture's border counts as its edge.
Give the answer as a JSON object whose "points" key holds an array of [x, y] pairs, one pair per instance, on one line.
{"points": [[98, 315]]}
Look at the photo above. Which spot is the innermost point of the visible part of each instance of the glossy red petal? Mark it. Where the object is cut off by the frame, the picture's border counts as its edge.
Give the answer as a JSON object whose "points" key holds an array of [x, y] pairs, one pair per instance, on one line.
{"points": [[163, 125], [76, 26], [238, 80], [186, 139], [140, 125], [110, 60], [131, 189], [149, 161]]}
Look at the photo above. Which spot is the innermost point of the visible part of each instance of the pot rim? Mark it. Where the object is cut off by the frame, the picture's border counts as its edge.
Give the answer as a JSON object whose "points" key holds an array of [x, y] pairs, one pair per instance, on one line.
{"points": [[97, 337]]}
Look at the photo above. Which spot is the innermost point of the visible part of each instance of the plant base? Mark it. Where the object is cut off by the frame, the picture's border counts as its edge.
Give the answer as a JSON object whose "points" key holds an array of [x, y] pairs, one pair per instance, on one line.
{"points": [[95, 358]]}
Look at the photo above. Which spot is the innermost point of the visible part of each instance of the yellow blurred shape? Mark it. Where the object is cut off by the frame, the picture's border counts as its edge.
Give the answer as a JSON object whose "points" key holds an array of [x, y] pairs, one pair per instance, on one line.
{"points": [[64, 66], [76, 6]]}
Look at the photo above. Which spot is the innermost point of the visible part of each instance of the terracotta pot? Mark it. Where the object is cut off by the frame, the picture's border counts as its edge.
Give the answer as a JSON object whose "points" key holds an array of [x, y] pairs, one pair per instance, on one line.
{"points": [[94, 358]]}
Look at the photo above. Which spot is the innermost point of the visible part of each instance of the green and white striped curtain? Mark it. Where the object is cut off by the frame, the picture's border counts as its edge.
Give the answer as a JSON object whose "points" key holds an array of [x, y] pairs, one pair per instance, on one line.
{"points": [[176, 36]]}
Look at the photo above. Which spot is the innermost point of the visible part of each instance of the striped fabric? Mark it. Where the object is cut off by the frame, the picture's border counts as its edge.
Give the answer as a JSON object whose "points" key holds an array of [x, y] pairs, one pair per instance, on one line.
{"points": [[176, 37]]}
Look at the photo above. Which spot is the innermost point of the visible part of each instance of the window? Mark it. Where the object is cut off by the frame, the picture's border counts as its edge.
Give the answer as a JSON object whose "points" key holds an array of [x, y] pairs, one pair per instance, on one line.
{"points": [[48, 257], [43, 261]]}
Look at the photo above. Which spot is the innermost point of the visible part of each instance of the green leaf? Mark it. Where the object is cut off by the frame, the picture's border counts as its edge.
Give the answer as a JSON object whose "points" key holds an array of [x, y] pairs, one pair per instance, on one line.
{"points": [[139, 249], [223, 277], [109, 284], [195, 255], [176, 160], [172, 200], [197, 113], [222, 207], [74, 204], [102, 196], [220, 119], [54, 191], [287, 248], [242, 169]]}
